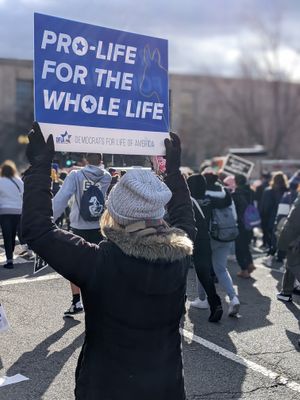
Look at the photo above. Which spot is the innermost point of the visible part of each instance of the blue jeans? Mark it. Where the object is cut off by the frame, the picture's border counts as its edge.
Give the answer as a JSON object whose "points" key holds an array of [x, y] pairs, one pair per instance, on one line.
{"points": [[220, 252]]}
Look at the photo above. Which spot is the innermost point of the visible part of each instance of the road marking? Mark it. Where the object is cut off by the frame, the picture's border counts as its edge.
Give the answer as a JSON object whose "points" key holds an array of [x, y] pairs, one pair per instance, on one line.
{"points": [[10, 380], [280, 379], [269, 268], [29, 280]]}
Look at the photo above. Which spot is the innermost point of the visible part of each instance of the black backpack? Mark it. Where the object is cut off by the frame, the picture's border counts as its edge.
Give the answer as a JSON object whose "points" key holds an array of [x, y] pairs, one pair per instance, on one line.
{"points": [[92, 202]]}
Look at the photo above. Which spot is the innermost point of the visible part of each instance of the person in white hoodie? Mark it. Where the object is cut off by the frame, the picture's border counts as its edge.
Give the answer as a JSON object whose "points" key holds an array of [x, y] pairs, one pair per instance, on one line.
{"points": [[74, 186], [11, 199]]}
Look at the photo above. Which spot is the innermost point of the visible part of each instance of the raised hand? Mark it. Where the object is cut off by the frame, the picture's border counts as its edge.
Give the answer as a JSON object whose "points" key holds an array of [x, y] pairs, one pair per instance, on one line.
{"points": [[39, 152], [173, 153]]}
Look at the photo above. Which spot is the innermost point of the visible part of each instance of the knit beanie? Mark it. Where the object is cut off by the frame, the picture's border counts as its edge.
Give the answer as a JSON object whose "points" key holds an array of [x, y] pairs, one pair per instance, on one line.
{"points": [[138, 196]]}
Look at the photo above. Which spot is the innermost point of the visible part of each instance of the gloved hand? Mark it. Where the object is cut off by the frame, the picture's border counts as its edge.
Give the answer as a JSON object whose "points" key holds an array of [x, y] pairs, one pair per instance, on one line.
{"points": [[39, 152], [173, 153]]}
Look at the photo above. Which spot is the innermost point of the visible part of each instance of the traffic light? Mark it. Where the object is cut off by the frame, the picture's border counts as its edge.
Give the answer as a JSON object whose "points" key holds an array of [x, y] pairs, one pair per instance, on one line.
{"points": [[69, 162]]}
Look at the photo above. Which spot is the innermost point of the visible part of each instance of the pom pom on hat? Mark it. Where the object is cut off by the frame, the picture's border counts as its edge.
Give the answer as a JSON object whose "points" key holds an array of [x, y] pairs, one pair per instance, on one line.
{"points": [[138, 196]]}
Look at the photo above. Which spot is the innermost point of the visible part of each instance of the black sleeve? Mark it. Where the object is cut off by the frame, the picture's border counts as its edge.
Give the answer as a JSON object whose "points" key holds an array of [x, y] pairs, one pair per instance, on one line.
{"points": [[291, 228], [221, 203], [266, 203], [180, 209], [68, 254]]}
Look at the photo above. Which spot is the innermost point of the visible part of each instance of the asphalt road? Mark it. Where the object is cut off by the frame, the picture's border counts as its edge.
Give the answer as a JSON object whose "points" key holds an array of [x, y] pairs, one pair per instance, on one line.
{"points": [[253, 357]]}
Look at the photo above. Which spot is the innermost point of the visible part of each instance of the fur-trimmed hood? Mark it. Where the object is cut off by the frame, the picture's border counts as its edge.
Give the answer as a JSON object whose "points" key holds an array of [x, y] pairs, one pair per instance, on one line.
{"points": [[167, 245]]}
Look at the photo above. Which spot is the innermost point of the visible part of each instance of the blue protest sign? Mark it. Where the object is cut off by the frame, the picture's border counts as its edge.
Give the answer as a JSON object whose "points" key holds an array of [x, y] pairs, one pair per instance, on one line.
{"points": [[100, 89]]}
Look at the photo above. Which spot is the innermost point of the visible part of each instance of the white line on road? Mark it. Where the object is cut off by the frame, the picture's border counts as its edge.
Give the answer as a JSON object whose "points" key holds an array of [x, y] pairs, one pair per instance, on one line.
{"points": [[29, 280], [280, 379], [269, 268], [10, 380]]}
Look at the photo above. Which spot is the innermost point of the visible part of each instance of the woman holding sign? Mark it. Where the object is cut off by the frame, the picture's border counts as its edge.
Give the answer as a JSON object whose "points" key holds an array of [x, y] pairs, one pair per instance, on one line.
{"points": [[132, 347]]}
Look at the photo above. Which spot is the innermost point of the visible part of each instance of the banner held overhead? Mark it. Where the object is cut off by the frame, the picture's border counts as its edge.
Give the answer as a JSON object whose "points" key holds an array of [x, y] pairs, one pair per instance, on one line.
{"points": [[100, 89]]}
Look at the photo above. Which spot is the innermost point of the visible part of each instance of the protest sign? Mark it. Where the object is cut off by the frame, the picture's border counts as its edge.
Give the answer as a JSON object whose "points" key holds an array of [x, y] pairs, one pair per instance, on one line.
{"points": [[99, 89], [39, 264], [237, 165]]}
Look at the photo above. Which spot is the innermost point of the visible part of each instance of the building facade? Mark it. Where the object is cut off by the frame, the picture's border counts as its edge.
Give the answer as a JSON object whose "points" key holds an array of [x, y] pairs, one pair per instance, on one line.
{"points": [[211, 114]]}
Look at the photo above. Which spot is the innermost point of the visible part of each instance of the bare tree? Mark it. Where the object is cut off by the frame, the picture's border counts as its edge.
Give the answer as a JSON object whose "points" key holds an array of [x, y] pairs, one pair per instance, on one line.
{"points": [[266, 99]]}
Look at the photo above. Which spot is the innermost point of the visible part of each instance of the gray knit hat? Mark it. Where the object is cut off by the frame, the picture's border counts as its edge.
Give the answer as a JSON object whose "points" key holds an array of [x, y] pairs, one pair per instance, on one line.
{"points": [[138, 196]]}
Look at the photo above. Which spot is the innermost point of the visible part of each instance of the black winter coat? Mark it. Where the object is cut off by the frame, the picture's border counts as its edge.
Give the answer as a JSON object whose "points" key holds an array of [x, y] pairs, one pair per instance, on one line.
{"points": [[289, 239], [243, 196], [133, 291], [269, 207]]}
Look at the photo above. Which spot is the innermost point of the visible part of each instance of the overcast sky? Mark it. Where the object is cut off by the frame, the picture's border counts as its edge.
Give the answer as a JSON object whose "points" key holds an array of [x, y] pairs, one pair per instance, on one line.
{"points": [[205, 36]]}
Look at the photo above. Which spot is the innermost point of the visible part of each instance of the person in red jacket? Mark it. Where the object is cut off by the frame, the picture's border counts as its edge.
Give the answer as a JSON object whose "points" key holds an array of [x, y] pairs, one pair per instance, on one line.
{"points": [[132, 346]]}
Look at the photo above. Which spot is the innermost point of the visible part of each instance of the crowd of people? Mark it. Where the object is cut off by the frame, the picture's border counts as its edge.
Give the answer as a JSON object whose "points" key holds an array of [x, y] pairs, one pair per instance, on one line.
{"points": [[154, 226]]}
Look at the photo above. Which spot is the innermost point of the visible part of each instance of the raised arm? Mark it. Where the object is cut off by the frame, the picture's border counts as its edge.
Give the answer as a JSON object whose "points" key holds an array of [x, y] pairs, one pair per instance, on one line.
{"points": [[180, 208], [221, 202], [65, 252]]}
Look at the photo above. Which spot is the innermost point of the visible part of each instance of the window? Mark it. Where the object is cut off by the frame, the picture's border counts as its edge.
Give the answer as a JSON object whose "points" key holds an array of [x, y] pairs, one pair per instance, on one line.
{"points": [[24, 96]]}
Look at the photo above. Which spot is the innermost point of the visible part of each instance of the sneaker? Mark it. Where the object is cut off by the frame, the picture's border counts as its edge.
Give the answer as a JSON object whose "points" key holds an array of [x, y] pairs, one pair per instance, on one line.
{"points": [[216, 314], [234, 307], [284, 297], [197, 303], [268, 261], [30, 255], [74, 309], [8, 265]]}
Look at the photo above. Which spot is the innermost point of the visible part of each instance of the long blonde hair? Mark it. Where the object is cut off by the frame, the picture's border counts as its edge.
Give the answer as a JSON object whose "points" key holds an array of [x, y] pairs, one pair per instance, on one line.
{"points": [[107, 221], [279, 181]]}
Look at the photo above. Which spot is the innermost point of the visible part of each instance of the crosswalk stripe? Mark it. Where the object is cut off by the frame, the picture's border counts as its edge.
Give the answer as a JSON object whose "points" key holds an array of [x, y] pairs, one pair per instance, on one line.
{"points": [[274, 376], [17, 281]]}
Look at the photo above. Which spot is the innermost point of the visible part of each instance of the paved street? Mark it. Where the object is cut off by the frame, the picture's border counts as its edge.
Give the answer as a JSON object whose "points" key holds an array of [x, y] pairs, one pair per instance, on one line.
{"points": [[253, 357]]}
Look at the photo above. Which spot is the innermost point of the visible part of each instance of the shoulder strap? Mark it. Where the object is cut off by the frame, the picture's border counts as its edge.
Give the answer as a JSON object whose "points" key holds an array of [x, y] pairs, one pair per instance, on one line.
{"points": [[198, 207], [15, 183]]}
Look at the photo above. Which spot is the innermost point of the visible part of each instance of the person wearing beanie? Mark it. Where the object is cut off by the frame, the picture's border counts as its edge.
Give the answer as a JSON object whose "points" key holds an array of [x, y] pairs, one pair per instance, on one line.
{"points": [[132, 346], [202, 256]]}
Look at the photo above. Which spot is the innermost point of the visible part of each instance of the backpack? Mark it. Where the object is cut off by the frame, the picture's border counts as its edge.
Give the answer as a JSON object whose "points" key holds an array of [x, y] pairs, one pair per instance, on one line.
{"points": [[251, 217], [92, 202], [223, 225]]}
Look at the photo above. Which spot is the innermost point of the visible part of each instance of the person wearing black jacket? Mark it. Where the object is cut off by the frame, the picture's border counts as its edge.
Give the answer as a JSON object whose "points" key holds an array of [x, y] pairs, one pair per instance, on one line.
{"points": [[202, 253], [243, 196], [132, 346], [269, 207]]}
